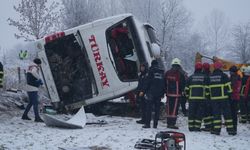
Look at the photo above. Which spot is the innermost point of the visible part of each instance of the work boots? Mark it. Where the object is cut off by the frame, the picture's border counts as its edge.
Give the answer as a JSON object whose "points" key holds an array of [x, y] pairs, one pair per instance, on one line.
{"points": [[146, 126], [25, 117], [38, 119], [140, 121]]}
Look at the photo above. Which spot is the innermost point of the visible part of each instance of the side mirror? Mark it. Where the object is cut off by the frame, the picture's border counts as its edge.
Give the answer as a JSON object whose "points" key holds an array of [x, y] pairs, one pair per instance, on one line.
{"points": [[156, 50]]}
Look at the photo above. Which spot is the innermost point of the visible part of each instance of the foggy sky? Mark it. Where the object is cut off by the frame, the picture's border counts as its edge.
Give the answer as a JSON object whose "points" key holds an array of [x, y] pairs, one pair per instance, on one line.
{"points": [[236, 10]]}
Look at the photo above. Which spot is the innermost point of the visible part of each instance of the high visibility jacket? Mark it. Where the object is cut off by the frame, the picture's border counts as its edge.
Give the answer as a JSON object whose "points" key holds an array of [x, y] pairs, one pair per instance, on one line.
{"points": [[175, 82], [219, 86], [197, 86], [243, 84]]}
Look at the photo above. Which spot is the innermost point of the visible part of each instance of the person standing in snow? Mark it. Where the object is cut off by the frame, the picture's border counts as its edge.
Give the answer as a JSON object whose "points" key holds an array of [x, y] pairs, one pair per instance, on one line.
{"points": [[219, 91], [175, 85], [208, 116], [235, 96], [1, 75], [243, 102], [153, 90], [140, 98], [247, 94], [33, 83], [196, 90]]}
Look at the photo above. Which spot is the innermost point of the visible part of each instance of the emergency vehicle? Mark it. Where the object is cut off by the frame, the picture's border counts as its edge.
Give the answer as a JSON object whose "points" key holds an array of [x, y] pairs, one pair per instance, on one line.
{"points": [[96, 61]]}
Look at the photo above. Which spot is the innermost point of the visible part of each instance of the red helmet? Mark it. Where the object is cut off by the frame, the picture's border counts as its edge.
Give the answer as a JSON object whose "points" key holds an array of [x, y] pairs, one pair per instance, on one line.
{"points": [[198, 66], [218, 65], [206, 66]]}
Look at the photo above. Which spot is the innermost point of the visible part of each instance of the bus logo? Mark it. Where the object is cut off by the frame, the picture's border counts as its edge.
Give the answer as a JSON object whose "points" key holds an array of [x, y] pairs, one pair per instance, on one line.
{"points": [[98, 61]]}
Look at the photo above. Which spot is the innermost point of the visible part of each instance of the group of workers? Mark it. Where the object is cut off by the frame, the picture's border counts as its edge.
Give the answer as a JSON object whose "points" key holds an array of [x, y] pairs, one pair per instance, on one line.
{"points": [[210, 94]]}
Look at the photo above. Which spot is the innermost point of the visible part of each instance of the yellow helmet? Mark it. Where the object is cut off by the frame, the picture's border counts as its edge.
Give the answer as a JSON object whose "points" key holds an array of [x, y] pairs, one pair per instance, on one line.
{"points": [[176, 61]]}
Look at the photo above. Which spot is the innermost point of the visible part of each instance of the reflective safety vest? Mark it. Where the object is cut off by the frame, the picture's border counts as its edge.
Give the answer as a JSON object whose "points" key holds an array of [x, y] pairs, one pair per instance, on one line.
{"points": [[219, 86], [197, 86], [174, 82]]}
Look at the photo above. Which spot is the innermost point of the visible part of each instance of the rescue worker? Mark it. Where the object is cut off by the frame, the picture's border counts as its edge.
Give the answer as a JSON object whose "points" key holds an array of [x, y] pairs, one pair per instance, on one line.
{"points": [[208, 117], [196, 91], [153, 89], [183, 97], [141, 81], [243, 101], [247, 94], [220, 89], [33, 83], [235, 96], [1, 75], [175, 85]]}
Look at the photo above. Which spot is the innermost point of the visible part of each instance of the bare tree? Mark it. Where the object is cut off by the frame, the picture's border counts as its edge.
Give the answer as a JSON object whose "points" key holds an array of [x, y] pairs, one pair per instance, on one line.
{"points": [[241, 47], [174, 20], [216, 30], [37, 18], [77, 12]]}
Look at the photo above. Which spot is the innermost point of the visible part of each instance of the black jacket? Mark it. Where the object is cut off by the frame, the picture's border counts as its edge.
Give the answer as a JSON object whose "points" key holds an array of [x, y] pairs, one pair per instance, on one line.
{"points": [[141, 81], [154, 84]]}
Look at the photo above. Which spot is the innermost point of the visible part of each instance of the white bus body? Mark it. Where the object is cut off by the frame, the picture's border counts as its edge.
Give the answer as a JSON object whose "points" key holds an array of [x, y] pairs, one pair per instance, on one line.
{"points": [[97, 61]]}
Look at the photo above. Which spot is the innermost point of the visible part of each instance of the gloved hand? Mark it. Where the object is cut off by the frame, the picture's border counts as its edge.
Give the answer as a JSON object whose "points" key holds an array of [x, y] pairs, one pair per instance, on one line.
{"points": [[39, 82], [141, 94]]}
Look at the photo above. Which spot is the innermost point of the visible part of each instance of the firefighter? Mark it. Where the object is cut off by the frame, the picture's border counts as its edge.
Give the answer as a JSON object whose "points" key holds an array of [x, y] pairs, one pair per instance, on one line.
{"points": [[183, 97], [220, 89], [196, 91], [154, 89], [208, 117], [235, 96], [33, 83], [141, 81], [243, 101], [175, 85], [247, 94], [1, 75]]}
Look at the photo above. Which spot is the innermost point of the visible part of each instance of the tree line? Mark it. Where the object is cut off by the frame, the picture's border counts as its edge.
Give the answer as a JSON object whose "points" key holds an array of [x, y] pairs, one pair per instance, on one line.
{"points": [[172, 21]]}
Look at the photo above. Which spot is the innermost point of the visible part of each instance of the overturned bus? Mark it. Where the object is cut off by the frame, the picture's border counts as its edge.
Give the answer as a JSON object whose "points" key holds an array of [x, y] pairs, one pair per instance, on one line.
{"points": [[97, 61]]}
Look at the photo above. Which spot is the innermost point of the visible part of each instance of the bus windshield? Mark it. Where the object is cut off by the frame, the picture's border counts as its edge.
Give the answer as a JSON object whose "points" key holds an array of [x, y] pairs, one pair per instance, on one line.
{"points": [[151, 34], [125, 48]]}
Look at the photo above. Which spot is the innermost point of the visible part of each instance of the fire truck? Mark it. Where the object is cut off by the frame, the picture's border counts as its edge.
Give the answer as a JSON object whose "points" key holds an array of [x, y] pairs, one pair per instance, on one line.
{"points": [[97, 61]]}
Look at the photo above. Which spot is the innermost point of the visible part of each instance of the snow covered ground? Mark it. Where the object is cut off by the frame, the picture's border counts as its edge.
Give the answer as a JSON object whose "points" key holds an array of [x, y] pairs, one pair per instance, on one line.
{"points": [[121, 133]]}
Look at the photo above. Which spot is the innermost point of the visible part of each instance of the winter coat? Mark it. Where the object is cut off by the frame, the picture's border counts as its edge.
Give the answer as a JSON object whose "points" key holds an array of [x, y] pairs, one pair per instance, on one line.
{"points": [[236, 86], [154, 84], [243, 84], [247, 89], [33, 78], [175, 81], [219, 86], [196, 87], [141, 81]]}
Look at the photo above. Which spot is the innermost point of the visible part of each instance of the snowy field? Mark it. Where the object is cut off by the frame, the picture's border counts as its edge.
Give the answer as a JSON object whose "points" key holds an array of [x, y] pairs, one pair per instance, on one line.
{"points": [[121, 133]]}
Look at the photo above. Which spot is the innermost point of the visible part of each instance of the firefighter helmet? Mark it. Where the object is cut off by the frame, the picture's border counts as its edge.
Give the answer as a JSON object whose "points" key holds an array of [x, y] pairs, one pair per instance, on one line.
{"points": [[198, 66], [176, 61], [217, 65]]}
